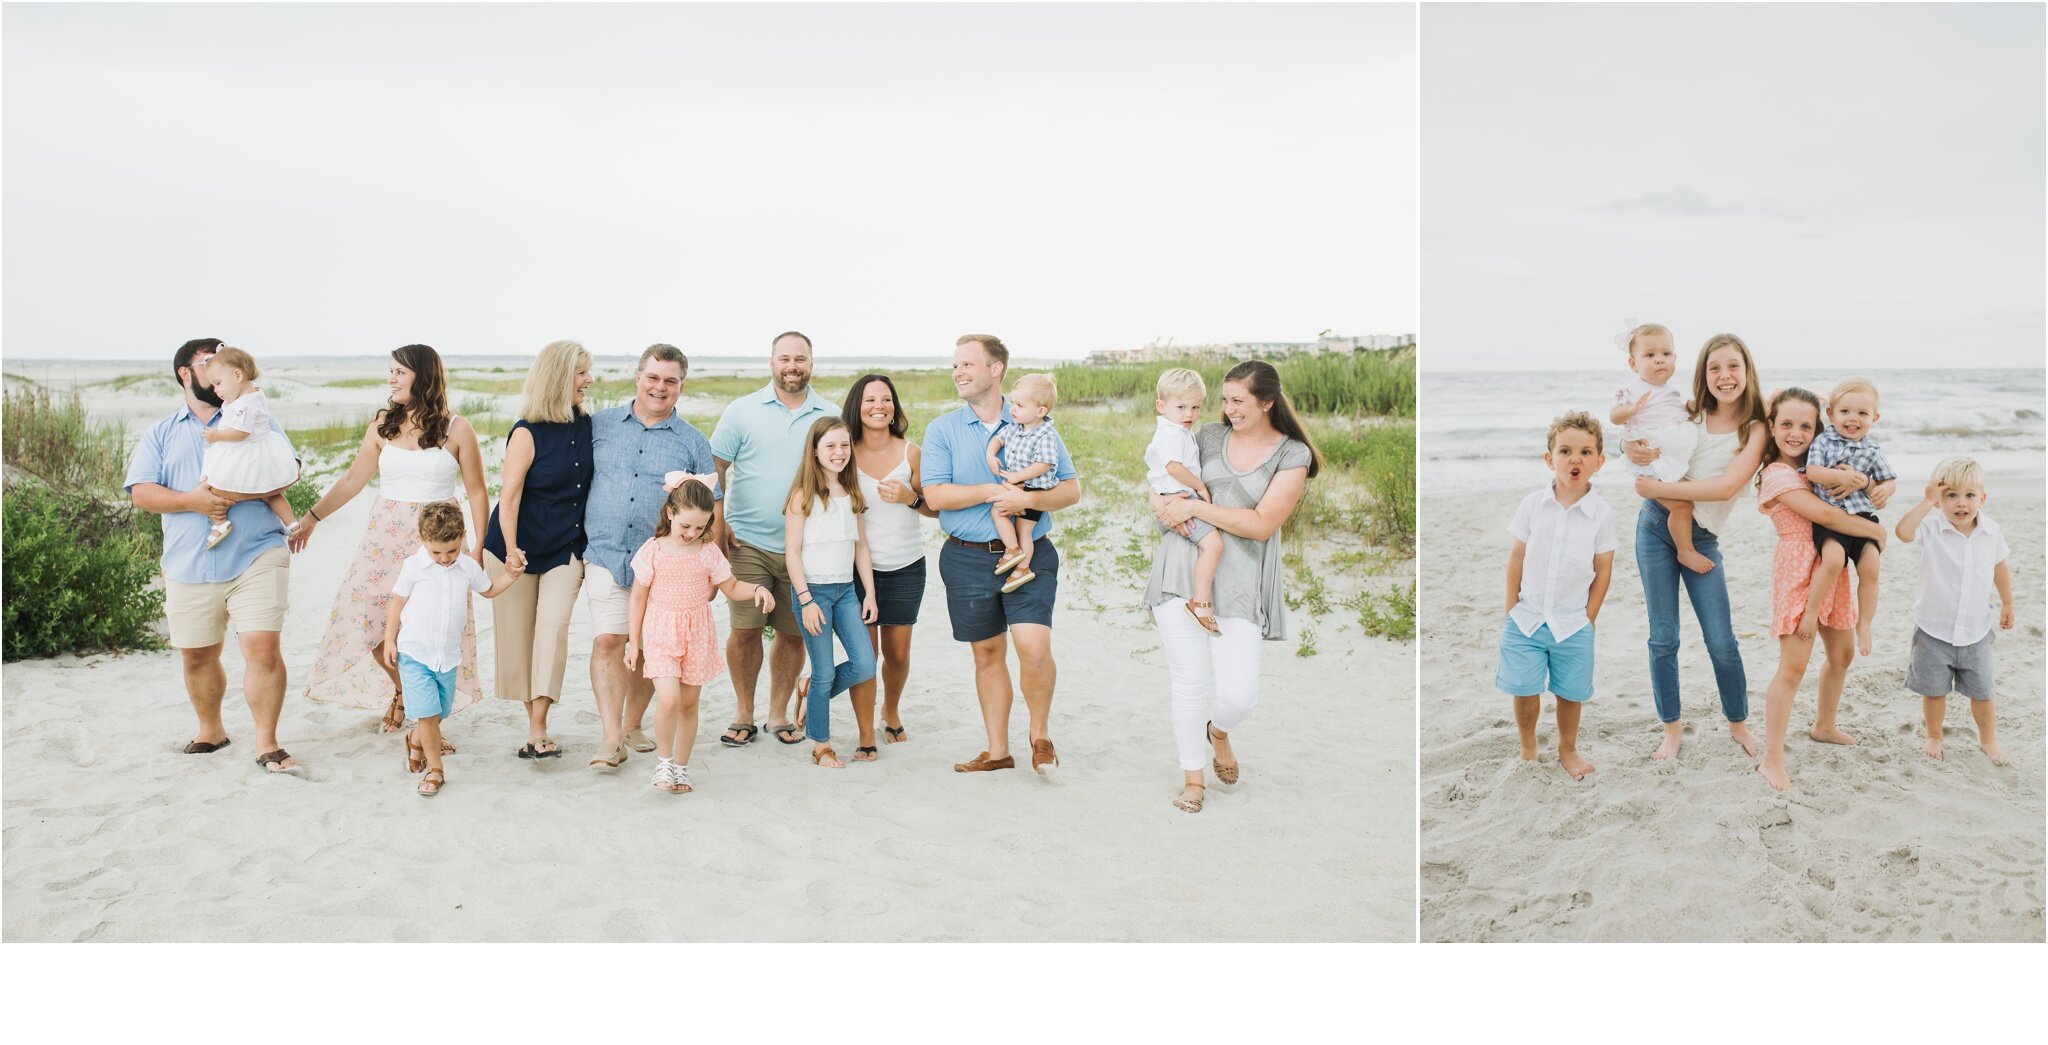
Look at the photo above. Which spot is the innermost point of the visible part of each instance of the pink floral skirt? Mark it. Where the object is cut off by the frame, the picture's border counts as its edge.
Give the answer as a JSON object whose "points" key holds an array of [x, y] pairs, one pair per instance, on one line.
{"points": [[346, 670]]}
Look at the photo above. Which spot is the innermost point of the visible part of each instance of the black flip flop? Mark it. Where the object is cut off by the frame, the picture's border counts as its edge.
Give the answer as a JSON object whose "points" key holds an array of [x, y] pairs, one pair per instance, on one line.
{"points": [[872, 753], [895, 733], [794, 731], [531, 751], [746, 730], [200, 747], [276, 758]]}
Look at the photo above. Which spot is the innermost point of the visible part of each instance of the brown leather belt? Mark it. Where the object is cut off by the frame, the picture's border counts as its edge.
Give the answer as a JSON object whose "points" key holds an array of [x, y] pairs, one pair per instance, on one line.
{"points": [[992, 547]]}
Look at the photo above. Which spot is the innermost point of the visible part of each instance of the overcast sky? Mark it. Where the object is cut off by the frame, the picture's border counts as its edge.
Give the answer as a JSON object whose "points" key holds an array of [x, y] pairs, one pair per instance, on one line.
{"points": [[489, 178], [1837, 184]]}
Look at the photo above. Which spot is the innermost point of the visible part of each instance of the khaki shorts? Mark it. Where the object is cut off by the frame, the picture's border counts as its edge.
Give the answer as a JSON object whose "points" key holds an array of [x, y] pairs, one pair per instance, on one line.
{"points": [[608, 601], [255, 601], [754, 566]]}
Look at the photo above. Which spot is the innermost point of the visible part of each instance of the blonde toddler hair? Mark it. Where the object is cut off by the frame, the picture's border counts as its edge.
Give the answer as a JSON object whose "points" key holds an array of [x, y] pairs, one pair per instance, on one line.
{"points": [[1580, 420], [1629, 343], [1037, 389], [1849, 385], [1181, 383], [234, 359], [1960, 473]]}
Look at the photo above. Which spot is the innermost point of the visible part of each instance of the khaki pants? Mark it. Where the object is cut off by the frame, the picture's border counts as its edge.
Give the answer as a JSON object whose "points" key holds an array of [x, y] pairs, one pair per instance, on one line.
{"points": [[531, 619]]}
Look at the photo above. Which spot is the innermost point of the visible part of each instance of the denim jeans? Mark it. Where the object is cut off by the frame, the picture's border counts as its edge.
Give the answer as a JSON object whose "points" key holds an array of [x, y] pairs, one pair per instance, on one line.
{"points": [[842, 615], [1657, 561]]}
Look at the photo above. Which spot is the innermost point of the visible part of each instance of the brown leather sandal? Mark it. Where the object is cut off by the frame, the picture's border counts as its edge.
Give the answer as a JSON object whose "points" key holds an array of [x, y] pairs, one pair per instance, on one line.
{"points": [[430, 785], [394, 716], [1191, 805], [1205, 619], [1227, 774], [414, 764], [819, 755]]}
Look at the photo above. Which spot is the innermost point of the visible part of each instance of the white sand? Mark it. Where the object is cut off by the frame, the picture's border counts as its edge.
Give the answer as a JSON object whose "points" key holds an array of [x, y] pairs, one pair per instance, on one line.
{"points": [[112, 834], [1876, 842]]}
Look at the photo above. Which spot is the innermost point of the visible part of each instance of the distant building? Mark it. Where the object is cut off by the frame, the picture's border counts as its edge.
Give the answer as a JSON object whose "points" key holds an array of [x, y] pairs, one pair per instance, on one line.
{"points": [[1156, 352]]}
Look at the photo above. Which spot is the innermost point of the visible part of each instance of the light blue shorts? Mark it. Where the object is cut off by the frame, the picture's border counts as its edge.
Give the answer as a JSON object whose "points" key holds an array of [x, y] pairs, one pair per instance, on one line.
{"points": [[1531, 664], [428, 693]]}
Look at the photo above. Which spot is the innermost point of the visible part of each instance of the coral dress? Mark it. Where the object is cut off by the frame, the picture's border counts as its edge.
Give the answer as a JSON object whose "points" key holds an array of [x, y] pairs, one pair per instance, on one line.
{"points": [[678, 639], [1792, 565]]}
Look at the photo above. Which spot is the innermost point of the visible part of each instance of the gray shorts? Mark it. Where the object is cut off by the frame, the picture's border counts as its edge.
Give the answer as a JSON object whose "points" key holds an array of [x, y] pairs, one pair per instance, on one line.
{"points": [[1935, 667]]}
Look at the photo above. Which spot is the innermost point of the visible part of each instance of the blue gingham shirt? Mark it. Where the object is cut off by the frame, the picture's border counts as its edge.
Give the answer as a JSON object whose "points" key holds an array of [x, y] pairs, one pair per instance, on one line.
{"points": [[1024, 447], [629, 459], [955, 449], [172, 454], [1831, 450]]}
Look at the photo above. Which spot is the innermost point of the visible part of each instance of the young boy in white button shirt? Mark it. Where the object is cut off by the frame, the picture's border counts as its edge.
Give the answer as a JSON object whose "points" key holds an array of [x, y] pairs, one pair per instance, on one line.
{"points": [[1558, 571], [1962, 558], [423, 632]]}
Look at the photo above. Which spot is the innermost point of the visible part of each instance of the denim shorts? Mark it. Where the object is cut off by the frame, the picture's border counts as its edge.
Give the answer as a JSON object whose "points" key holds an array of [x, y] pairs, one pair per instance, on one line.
{"points": [[898, 594], [974, 590], [1531, 664], [428, 693]]}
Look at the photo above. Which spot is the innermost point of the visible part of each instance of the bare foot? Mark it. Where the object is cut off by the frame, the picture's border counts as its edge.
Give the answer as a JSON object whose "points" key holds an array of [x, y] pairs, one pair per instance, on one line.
{"points": [[1696, 562], [1832, 736], [1740, 731], [1575, 764], [1668, 747], [1996, 753], [1932, 749], [1863, 638], [1528, 752], [1779, 779]]}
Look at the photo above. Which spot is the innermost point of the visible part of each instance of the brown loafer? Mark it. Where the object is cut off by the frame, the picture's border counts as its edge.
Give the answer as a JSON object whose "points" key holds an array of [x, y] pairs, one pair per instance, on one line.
{"points": [[982, 764], [1042, 754]]}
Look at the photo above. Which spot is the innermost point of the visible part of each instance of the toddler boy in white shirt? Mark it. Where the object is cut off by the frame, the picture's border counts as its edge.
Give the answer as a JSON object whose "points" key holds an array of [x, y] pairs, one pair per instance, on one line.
{"points": [[1962, 559], [1173, 465], [1558, 570], [423, 632]]}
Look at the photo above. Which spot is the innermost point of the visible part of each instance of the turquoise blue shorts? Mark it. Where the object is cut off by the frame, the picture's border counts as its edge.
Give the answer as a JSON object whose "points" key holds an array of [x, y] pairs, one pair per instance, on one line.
{"points": [[428, 693], [1532, 664]]}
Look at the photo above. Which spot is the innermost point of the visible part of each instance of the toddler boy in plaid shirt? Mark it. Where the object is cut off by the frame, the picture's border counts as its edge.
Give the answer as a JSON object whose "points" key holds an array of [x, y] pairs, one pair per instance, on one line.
{"points": [[1024, 453], [1848, 471]]}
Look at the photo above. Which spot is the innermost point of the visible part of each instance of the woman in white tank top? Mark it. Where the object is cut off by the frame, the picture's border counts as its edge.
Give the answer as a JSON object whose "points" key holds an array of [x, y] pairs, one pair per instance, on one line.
{"points": [[1727, 456], [887, 464], [420, 454]]}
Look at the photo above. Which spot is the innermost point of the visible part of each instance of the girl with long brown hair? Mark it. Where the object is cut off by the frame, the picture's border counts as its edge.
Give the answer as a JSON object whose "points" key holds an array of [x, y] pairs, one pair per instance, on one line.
{"points": [[420, 453], [827, 547]]}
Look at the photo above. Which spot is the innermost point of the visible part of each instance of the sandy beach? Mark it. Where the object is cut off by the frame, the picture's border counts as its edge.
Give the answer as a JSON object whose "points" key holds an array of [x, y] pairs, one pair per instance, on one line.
{"points": [[112, 834], [1876, 841]]}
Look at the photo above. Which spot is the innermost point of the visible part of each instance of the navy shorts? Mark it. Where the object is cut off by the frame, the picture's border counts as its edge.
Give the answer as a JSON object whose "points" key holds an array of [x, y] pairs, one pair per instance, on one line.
{"points": [[974, 590], [898, 594]]}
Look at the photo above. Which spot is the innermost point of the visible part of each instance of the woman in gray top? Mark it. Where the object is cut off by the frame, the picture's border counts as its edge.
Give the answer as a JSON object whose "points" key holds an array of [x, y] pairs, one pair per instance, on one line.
{"points": [[1256, 465]]}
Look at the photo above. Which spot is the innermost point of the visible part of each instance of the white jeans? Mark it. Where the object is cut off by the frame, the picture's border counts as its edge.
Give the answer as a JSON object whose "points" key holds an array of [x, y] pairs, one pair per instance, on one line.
{"points": [[1202, 666]]}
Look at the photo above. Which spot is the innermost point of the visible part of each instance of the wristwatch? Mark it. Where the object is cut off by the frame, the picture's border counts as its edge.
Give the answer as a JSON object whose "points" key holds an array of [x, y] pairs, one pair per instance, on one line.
{"points": [[918, 501]]}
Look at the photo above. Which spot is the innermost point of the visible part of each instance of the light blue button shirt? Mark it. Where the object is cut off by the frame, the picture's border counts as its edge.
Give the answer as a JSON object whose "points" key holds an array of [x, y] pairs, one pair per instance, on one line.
{"points": [[764, 442], [630, 460], [955, 450], [172, 454]]}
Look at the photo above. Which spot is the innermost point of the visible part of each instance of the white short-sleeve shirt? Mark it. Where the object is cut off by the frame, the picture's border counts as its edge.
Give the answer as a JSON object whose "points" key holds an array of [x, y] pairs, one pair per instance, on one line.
{"points": [[1958, 601], [249, 413], [436, 607], [1171, 442], [1666, 407], [1557, 568]]}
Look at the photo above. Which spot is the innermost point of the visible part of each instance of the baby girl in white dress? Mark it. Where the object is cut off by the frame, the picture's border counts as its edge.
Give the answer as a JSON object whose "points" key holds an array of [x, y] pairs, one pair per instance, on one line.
{"points": [[245, 457]]}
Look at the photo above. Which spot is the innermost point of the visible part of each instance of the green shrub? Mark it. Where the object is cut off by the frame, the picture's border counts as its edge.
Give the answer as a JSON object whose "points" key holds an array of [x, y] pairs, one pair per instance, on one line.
{"points": [[302, 496], [1391, 615], [80, 574]]}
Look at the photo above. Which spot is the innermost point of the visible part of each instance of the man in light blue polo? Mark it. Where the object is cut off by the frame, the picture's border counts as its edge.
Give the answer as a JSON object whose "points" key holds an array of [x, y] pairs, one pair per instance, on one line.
{"points": [[958, 483], [758, 444], [632, 447], [244, 580]]}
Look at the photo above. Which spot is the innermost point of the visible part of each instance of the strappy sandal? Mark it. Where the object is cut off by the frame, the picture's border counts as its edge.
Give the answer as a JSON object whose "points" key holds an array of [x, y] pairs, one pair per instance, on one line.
{"points": [[747, 732], [394, 716], [1013, 560], [865, 754], [819, 755], [895, 734], [1206, 620], [430, 785], [1227, 774], [1019, 581], [1191, 805], [679, 779], [414, 765], [800, 701], [274, 761]]}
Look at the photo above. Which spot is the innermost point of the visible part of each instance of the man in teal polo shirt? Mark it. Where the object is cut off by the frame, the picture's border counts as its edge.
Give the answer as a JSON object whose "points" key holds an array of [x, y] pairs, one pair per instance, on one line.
{"points": [[958, 483], [758, 444]]}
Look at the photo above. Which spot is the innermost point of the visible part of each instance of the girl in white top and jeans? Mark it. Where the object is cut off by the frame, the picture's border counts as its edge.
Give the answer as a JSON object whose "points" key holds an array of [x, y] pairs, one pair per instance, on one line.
{"points": [[826, 538], [895, 544]]}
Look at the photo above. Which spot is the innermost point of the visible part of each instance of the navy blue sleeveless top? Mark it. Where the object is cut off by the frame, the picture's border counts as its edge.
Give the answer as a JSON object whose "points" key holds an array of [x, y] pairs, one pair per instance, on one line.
{"points": [[551, 506]]}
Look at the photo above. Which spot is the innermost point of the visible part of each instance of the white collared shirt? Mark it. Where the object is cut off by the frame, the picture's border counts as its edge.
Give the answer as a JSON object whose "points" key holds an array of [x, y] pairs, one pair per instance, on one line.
{"points": [[1170, 442], [1958, 601], [1557, 568], [436, 607]]}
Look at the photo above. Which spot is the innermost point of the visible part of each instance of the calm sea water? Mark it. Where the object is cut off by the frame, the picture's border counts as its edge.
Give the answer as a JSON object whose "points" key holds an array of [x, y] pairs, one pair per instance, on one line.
{"points": [[1485, 431]]}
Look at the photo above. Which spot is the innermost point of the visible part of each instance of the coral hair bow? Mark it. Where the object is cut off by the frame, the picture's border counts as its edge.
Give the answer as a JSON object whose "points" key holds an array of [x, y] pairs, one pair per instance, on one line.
{"points": [[670, 481]]}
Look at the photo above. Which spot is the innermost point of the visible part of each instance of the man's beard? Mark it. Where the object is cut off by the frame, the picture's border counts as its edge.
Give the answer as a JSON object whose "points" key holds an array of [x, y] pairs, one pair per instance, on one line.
{"points": [[793, 385], [204, 393]]}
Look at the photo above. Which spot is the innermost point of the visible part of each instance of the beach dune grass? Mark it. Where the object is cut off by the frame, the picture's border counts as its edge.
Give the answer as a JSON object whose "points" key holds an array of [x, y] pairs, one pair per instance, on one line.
{"points": [[1355, 384]]}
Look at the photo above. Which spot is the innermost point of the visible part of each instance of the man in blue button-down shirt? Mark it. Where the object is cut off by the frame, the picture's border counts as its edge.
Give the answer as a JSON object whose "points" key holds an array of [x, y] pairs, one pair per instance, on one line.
{"points": [[958, 483], [632, 447], [244, 579]]}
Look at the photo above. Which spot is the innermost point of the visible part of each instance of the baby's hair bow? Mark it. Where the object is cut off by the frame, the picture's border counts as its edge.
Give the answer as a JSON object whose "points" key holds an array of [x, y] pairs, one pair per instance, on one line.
{"points": [[670, 481], [1628, 333]]}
